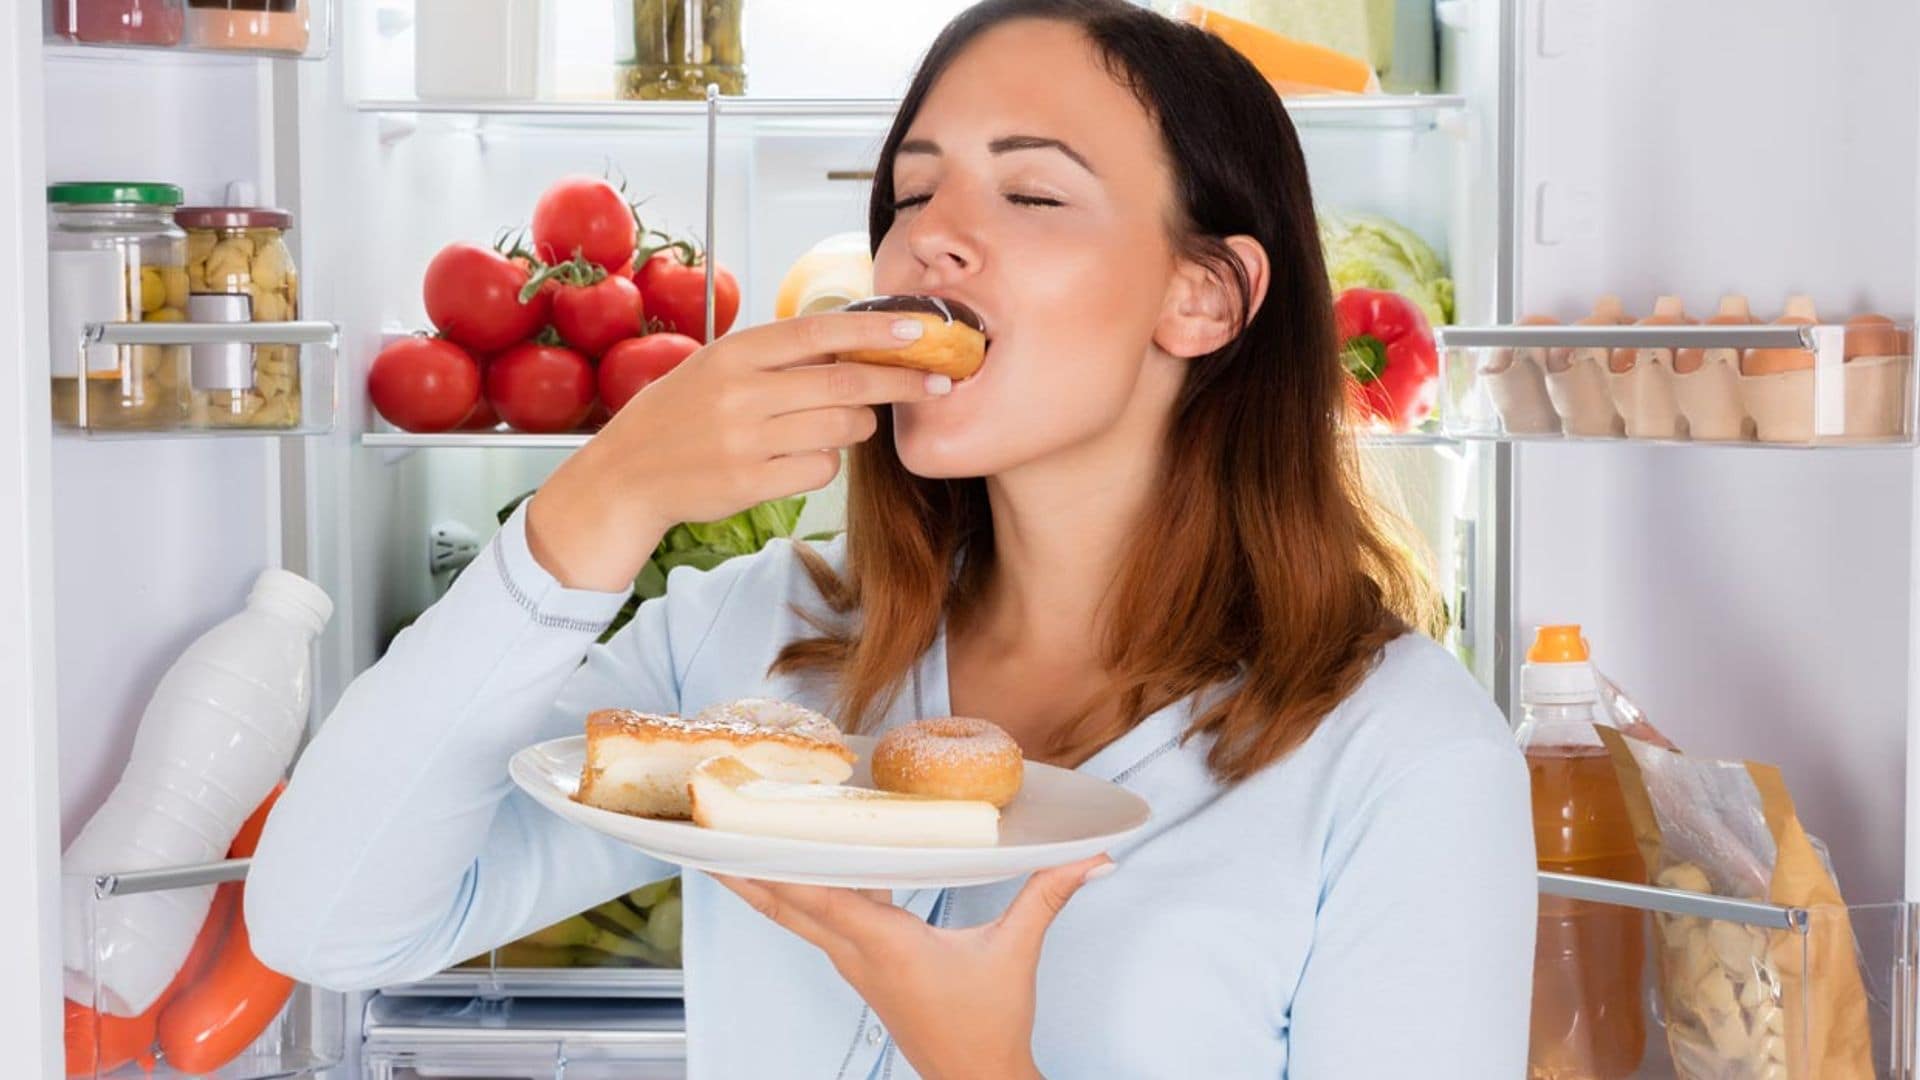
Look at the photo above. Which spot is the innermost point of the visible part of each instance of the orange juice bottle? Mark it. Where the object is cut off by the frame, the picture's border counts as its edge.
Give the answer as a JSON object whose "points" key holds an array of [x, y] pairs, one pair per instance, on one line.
{"points": [[1587, 1015]]}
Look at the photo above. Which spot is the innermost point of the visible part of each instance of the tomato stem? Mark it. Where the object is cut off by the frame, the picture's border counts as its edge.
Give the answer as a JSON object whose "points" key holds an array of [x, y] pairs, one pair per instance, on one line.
{"points": [[576, 272]]}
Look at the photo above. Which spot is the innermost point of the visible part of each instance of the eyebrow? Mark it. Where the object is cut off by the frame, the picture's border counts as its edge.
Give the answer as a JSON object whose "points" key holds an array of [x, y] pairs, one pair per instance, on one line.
{"points": [[1006, 144]]}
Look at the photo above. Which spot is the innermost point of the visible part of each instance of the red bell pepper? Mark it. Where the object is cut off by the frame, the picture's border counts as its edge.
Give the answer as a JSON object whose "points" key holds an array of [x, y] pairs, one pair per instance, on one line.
{"points": [[1386, 345]]}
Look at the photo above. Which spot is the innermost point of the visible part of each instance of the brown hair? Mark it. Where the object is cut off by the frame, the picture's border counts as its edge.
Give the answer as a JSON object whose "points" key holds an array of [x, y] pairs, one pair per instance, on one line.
{"points": [[1263, 558]]}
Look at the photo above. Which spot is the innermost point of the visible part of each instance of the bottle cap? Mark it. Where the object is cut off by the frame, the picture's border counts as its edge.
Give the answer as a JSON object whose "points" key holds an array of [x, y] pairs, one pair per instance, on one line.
{"points": [[293, 595], [1557, 671]]}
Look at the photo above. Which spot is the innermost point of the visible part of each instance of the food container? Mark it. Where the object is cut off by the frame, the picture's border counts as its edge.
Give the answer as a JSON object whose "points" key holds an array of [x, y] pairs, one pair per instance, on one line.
{"points": [[239, 270], [114, 254], [476, 50], [273, 26], [1516, 380], [678, 47], [117, 22], [1641, 380], [1706, 382]]}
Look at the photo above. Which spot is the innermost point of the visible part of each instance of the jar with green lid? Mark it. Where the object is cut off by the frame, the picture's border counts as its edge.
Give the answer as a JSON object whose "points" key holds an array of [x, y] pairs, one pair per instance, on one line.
{"points": [[239, 270], [114, 254], [679, 46]]}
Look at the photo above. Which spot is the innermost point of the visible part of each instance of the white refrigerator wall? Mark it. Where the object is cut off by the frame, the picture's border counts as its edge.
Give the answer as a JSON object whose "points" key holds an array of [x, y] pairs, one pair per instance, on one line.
{"points": [[154, 540], [1755, 602]]}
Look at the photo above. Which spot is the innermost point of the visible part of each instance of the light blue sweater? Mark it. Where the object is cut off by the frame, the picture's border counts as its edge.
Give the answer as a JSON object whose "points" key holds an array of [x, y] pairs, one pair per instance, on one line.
{"points": [[1363, 908]]}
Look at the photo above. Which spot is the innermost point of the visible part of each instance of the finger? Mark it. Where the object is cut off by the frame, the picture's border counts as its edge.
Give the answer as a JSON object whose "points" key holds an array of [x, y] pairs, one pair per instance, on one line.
{"points": [[853, 384], [794, 474], [1046, 893], [817, 429], [809, 338]]}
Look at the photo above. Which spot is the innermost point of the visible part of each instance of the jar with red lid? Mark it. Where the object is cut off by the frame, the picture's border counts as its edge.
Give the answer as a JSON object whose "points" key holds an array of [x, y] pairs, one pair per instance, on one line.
{"points": [[118, 22], [239, 270]]}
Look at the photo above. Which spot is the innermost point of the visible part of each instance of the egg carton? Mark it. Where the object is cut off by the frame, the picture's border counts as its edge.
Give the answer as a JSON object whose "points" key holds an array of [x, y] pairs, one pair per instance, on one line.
{"points": [[1668, 380]]}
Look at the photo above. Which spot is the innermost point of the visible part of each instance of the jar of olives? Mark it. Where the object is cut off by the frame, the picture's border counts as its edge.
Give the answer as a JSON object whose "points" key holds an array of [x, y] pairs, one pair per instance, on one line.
{"points": [[239, 270], [114, 254], [678, 47]]}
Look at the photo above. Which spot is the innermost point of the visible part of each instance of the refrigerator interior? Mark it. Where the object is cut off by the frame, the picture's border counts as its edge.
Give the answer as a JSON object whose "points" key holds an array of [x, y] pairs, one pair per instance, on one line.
{"points": [[1754, 602]]}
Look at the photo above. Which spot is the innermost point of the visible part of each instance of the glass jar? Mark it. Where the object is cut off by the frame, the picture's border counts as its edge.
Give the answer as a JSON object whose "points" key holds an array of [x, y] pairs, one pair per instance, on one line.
{"points": [[114, 254], [118, 22], [678, 47], [274, 26], [239, 270]]}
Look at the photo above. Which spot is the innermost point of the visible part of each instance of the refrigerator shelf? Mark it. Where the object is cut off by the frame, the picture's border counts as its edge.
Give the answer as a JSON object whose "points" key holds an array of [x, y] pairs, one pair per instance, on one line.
{"points": [[106, 964], [1772, 385], [1765, 948], [1398, 112], [157, 363], [515, 440], [316, 44], [537, 1040], [572, 982]]}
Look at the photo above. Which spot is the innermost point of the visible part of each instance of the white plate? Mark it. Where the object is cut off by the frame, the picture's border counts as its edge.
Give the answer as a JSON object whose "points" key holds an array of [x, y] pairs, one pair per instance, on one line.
{"points": [[1059, 816]]}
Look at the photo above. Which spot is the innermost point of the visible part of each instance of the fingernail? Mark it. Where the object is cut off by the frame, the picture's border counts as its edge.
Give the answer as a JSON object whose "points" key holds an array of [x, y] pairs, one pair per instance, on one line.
{"points": [[908, 329], [1098, 872], [938, 384]]}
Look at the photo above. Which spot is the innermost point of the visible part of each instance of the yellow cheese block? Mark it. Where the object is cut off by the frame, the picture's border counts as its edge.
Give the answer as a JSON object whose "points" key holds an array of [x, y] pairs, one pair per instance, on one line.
{"points": [[1292, 66]]}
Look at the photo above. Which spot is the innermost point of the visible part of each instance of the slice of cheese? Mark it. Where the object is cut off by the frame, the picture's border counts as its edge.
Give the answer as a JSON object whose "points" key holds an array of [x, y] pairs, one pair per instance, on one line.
{"points": [[729, 795]]}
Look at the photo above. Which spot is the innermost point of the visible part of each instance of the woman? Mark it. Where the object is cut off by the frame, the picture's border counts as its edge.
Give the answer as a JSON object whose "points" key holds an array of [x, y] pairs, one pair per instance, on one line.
{"points": [[1136, 540]]}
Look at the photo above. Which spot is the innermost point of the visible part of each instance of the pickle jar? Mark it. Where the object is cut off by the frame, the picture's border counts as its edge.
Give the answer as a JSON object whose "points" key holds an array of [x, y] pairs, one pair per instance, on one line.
{"points": [[114, 254], [239, 270], [677, 47]]}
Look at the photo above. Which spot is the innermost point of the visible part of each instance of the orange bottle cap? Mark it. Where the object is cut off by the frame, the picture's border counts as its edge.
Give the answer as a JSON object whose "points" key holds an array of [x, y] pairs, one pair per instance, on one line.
{"points": [[1558, 645]]}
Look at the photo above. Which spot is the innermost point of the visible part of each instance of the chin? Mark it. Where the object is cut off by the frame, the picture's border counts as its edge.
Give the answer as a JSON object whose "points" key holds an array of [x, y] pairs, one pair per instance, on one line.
{"points": [[934, 444]]}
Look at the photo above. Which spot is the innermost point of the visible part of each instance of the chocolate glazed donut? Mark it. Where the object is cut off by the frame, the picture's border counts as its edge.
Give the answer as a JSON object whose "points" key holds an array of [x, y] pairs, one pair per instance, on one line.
{"points": [[955, 344]]}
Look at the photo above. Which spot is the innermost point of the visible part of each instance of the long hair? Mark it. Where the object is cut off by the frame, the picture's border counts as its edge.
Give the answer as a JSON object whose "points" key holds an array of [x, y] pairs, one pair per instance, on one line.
{"points": [[1263, 568]]}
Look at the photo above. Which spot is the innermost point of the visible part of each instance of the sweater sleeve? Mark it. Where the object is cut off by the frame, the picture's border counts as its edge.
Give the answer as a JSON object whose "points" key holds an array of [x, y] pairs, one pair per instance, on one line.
{"points": [[400, 845], [1422, 958]]}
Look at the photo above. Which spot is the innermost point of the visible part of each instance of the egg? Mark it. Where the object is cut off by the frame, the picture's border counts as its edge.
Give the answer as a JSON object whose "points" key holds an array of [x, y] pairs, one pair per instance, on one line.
{"points": [[1800, 312]]}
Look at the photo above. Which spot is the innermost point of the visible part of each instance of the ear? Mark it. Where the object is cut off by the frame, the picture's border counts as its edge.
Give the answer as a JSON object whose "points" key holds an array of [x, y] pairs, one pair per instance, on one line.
{"points": [[1202, 311]]}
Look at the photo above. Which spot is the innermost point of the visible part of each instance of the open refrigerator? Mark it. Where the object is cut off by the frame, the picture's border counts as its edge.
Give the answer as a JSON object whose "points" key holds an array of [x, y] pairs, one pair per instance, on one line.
{"points": [[1755, 598]]}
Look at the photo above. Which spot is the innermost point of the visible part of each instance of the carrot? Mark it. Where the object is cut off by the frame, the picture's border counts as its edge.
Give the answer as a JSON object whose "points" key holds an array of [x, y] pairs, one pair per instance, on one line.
{"points": [[222, 1013], [102, 1042], [232, 999]]}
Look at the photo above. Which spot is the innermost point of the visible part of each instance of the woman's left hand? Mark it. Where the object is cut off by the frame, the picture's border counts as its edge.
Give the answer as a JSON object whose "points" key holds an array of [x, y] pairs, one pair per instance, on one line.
{"points": [[957, 1002]]}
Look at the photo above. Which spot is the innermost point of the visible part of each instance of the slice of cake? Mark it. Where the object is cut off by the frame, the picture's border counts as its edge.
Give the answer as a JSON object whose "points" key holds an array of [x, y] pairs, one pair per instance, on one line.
{"points": [[731, 795], [638, 763]]}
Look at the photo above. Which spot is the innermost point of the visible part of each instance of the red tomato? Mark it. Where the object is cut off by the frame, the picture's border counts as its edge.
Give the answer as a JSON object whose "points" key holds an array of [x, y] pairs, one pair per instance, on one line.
{"points": [[482, 418], [473, 297], [592, 317], [629, 366], [675, 289], [584, 217], [540, 388], [423, 384]]}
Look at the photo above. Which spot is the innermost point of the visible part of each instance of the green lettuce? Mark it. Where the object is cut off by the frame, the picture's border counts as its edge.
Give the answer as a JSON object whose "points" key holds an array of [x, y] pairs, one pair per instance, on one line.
{"points": [[1367, 251]]}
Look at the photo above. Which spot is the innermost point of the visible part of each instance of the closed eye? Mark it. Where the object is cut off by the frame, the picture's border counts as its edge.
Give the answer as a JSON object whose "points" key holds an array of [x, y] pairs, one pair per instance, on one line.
{"points": [[910, 201], [1033, 200]]}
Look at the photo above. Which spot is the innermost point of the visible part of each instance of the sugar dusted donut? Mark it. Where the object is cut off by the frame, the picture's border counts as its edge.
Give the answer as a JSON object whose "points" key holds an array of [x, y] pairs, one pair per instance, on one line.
{"points": [[952, 757], [955, 344]]}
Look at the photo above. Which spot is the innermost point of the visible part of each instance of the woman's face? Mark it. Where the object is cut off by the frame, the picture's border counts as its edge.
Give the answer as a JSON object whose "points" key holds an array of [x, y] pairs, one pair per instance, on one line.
{"points": [[1033, 187]]}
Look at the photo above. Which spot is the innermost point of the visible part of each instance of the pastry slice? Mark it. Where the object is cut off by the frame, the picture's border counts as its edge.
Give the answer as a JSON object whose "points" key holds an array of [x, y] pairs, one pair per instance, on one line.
{"points": [[730, 795], [637, 763]]}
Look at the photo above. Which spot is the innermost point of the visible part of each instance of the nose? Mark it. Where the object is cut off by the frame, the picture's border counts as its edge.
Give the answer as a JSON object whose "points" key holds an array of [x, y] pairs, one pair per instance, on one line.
{"points": [[940, 238]]}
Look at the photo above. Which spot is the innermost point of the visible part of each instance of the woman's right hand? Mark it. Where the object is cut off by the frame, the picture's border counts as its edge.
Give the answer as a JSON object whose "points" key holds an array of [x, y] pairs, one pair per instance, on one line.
{"points": [[760, 414]]}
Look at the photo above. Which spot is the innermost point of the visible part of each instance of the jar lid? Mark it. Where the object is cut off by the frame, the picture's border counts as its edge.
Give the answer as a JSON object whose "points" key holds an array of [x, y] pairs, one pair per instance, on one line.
{"points": [[108, 192], [232, 217]]}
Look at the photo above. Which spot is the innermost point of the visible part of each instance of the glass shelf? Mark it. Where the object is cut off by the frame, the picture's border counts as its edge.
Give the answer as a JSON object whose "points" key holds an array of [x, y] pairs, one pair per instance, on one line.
{"points": [[515, 440], [1397, 111], [157, 362]]}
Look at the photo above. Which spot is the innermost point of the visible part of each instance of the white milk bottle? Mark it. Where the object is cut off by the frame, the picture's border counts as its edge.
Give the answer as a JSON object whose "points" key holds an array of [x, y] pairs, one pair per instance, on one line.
{"points": [[220, 731]]}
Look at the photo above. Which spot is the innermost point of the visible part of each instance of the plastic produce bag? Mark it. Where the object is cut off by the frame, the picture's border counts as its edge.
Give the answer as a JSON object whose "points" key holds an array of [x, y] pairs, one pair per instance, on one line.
{"points": [[1744, 1002]]}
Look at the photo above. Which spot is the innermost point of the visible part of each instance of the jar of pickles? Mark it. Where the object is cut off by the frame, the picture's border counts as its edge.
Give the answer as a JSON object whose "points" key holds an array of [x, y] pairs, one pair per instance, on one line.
{"points": [[114, 254], [239, 270], [678, 47]]}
